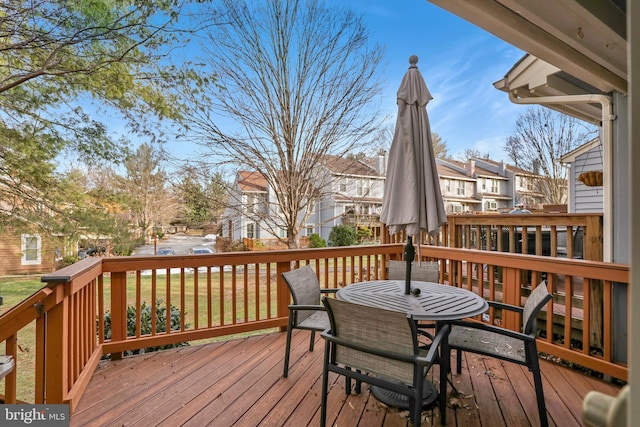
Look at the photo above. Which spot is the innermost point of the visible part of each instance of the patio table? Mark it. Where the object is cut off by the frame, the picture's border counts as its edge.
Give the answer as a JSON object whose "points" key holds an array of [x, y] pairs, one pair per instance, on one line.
{"points": [[435, 302]]}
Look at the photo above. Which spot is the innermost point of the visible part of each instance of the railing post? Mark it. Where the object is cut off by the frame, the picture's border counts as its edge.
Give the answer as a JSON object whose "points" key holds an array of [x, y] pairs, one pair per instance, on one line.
{"points": [[511, 295], [118, 310], [57, 348], [10, 383], [283, 294], [593, 251]]}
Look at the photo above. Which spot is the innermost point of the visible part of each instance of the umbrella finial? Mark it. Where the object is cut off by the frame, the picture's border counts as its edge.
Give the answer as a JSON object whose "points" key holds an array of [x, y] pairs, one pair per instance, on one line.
{"points": [[413, 60]]}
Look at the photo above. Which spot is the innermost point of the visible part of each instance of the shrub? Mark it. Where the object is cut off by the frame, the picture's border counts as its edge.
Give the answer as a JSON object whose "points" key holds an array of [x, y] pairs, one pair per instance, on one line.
{"points": [[364, 233], [145, 324], [315, 241], [343, 235]]}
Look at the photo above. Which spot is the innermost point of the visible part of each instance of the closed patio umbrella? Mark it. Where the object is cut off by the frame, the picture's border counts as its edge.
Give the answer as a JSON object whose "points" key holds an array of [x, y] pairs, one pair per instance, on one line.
{"points": [[412, 199]]}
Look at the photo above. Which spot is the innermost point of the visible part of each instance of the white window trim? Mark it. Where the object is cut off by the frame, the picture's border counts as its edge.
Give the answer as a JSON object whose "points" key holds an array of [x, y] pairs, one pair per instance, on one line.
{"points": [[24, 249]]}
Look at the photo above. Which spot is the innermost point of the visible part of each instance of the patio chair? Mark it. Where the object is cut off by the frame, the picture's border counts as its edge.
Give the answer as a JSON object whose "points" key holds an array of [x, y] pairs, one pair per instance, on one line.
{"points": [[378, 347], [504, 344], [6, 365], [425, 271], [306, 312]]}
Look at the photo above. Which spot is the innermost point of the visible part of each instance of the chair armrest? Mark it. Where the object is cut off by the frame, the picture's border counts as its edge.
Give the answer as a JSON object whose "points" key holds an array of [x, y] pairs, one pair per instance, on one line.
{"points": [[328, 291], [443, 334], [307, 307], [504, 306], [492, 328]]}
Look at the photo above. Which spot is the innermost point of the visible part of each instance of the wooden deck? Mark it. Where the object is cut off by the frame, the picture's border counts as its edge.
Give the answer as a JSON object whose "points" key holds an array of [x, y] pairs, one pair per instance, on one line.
{"points": [[239, 383]]}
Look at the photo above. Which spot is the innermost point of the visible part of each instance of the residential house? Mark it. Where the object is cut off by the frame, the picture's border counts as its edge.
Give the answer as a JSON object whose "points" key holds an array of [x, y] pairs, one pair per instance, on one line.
{"points": [[29, 253], [458, 189], [584, 160], [350, 193], [521, 185], [353, 195], [248, 195], [483, 185]]}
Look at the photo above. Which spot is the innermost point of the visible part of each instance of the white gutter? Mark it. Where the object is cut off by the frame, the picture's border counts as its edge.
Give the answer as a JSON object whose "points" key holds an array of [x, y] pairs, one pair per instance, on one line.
{"points": [[607, 146]]}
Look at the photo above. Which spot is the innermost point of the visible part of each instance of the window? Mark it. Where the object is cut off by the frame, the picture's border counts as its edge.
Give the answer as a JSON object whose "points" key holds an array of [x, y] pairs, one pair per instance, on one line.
{"points": [[362, 188], [251, 231], [460, 188], [251, 202], [456, 208], [343, 186], [309, 230], [484, 184], [31, 249], [492, 205], [494, 186], [447, 185]]}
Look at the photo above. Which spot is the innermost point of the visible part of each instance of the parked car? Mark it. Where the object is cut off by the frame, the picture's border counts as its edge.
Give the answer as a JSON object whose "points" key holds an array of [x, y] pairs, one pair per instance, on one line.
{"points": [[165, 251], [200, 250]]}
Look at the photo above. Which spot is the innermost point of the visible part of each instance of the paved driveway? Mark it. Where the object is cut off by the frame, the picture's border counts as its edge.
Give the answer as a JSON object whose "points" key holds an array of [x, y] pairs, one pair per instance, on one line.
{"points": [[179, 242]]}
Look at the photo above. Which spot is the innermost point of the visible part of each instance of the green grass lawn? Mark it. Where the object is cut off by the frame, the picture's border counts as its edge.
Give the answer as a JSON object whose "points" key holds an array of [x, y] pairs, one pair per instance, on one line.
{"points": [[14, 290]]}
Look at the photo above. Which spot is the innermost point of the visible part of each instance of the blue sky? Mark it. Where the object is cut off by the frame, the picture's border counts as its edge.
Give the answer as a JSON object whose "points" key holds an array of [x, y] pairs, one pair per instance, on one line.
{"points": [[459, 62]]}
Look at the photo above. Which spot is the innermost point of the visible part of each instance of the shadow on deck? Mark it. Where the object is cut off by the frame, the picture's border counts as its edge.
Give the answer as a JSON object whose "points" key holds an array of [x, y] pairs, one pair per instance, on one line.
{"points": [[239, 383]]}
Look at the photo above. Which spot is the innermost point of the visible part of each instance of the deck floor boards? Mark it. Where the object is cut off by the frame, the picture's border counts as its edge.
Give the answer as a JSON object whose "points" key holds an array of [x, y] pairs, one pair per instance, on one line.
{"points": [[239, 383]]}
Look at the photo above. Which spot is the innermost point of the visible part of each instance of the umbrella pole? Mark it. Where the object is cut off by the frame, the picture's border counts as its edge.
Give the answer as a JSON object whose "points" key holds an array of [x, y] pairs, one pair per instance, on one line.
{"points": [[409, 255]]}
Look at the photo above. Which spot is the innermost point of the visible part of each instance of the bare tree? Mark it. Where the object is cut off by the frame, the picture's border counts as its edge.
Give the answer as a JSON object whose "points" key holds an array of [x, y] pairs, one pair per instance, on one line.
{"points": [[295, 81], [384, 138], [472, 153], [540, 138]]}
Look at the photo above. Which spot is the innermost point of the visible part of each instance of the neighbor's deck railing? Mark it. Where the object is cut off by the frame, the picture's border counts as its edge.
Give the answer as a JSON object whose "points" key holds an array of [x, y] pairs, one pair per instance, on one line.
{"points": [[243, 292]]}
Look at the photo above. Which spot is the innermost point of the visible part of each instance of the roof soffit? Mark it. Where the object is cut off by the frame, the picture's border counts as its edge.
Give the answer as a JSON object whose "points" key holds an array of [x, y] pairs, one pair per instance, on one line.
{"points": [[582, 39]]}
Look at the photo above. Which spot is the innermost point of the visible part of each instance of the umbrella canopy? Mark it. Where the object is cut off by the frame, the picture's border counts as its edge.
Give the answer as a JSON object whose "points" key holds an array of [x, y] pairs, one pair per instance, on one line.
{"points": [[412, 197]]}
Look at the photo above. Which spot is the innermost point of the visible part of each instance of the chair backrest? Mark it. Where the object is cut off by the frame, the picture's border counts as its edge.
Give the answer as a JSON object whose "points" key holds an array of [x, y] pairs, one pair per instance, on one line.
{"points": [[383, 330], [537, 299], [424, 271], [305, 289]]}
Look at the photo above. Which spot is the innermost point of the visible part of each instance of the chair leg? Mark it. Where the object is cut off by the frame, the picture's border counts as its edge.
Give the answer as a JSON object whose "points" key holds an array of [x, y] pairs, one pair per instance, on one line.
{"points": [[313, 340], [458, 361], [415, 403], [347, 383], [445, 368], [325, 383], [537, 381], [287, 347]]}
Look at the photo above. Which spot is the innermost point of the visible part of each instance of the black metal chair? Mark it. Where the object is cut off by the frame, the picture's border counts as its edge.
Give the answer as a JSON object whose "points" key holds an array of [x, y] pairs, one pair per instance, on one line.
{"points": [[424, 271], [306, 312], [378, 347], [504, 344]]}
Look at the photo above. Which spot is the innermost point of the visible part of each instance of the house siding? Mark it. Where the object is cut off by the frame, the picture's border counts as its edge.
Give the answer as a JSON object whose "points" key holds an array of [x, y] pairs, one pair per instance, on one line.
{"points": [[585, 199], [11, 256]]}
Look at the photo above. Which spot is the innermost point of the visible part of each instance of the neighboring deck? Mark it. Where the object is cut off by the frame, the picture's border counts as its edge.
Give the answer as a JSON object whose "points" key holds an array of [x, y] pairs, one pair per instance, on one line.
{"points": [[239, 383]]}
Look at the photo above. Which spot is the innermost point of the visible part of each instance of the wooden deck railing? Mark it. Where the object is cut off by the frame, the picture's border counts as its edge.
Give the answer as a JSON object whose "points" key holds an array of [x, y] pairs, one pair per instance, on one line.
{"points": [[243, 292]]}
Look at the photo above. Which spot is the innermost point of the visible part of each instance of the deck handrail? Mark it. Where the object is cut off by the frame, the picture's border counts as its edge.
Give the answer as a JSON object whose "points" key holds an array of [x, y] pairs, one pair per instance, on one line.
{"points": [[243, 292]]}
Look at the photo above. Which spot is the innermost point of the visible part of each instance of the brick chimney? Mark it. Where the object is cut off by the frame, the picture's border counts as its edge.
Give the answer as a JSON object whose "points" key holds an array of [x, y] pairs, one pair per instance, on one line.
{"points": [[471, 168]]}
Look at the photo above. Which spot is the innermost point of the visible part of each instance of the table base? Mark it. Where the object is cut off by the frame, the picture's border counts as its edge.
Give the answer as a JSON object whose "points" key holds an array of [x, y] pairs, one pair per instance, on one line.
{"points": [[397, 400]]}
